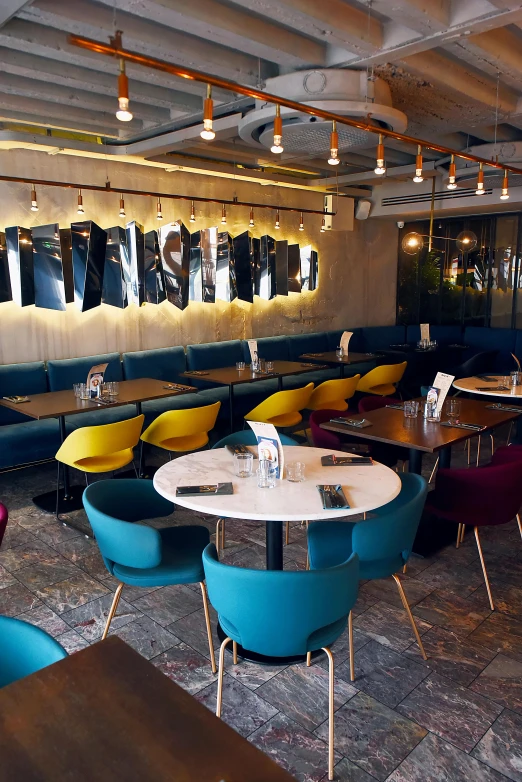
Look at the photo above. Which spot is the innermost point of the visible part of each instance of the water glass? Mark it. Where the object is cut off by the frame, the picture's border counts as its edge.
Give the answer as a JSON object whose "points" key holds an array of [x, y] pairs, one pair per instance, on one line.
{"points": [[515, 378], [84, 391], [254, 366], [243, 464], [295, 472], [266, 474], [240, 365], [339, 352], [411, 409], [262, 365], [269, 366], [111, 389], [454, 407], [77, 388]]}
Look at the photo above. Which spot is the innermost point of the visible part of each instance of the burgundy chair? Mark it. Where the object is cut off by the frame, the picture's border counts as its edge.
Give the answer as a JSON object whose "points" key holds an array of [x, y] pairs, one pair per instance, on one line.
{"points": [[4, 516], [480, 497], [320, 437], [369, 403]]}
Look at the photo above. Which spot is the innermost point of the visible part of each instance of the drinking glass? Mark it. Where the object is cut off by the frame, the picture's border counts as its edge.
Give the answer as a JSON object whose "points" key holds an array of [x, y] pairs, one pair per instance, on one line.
{"points": [[339, 352], [454, 407], [515, 378], [295, 472], [269, 366], [240, 365], [266, 474], [254, 366], [243, 464], [411, 409], [111, 389], [262, 365], [84, 391], [77, 388]]}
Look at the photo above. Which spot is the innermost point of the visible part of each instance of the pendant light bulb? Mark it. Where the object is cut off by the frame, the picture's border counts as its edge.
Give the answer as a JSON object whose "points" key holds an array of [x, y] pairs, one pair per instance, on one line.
{"points": [[277, 225], [192, 213], [452, 185], [380, 167], [208, 110], [505, 193], [251, 222], [277, 146], [123, 113], [122, 206], [334, 146], [418, 166], [480, 181], [34, 201], [223, 215], [323, 225], [80, 208], [301, 222], [159, 213]]}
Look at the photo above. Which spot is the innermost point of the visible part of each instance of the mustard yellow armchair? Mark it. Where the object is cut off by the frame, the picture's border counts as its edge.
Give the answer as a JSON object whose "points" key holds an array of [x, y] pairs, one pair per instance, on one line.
{"points": [[282, 408], [101, 448], [382, 380], [182, 430], [332, 394]]}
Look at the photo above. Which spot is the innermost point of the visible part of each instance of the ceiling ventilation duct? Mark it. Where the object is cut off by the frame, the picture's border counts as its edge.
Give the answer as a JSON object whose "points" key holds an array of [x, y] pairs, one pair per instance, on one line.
{"points": [[349, 93]]}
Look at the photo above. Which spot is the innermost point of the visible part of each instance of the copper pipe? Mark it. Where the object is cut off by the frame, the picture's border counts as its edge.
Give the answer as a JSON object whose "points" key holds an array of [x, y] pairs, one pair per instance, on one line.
{"points": [[266, 97], [108, 189]]}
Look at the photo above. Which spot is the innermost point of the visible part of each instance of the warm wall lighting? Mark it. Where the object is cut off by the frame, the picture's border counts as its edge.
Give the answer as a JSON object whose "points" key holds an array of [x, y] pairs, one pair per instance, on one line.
{"points": [[452, 185], [505, 193], [480, 181], [122, 206], [301, 222], [323, 225], [412, 243], [418, 166], [123, 113], [192, 213], [277, 223], [277, 146], [223, 215], [334, 146], [80, 208], [380, 167], [159, 213], [34, 202], [251, 221], [208, 110]]}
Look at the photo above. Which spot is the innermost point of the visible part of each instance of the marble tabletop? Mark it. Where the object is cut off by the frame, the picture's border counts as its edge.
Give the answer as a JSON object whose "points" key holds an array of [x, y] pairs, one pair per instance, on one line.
{"points": [[365, 487], [470, 385]]}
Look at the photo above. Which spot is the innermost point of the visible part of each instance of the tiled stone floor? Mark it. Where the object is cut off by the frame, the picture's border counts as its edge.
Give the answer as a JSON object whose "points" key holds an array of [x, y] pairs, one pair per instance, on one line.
{"points": [[455, 718]]}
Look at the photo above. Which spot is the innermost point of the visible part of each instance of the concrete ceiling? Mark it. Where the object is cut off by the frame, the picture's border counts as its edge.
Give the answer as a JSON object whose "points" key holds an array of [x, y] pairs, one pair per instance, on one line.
{"points": [[454, 68]]}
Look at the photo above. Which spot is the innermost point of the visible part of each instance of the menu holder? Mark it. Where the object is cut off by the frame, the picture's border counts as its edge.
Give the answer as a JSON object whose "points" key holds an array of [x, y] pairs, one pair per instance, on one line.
{"points": [[95, 379], [345, 461], [345, 341], [204, 490], [333, 497], [269, 445]]}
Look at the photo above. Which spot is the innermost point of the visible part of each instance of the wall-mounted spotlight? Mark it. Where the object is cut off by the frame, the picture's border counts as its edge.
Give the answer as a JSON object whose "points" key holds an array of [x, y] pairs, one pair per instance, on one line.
{"points": [[301, 222], [480, 181], [323, 225], [159, 213], [418, 166], [123, 113], [277, 146], [277, 225], [34, 201], [223, 215], [380, 167], [334, 146], [505, 192], [251, 221], [80, 210], [122, 206], [452, 175], [208, 110], [192, 213]]}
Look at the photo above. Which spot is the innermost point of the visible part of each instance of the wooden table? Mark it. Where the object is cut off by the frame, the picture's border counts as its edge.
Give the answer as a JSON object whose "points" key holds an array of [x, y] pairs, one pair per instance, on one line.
{"points": [[58, 404], [231, 377], [106, 714], [333, 360]]}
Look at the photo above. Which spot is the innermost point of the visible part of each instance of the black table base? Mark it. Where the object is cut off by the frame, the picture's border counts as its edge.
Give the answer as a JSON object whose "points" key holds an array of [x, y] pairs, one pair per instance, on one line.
{"points": [[66, 502]]}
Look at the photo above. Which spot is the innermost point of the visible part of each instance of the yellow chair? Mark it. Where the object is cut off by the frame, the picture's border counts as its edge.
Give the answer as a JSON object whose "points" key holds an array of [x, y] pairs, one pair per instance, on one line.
{"points": [[101, 448], [382, 380], [182, 430], [282, 408], [332, 394]]}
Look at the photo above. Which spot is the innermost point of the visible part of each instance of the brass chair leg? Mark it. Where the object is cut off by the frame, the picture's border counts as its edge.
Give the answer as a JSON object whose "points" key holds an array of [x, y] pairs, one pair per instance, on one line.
{"points": [[220, 675], [350, 644], [114, 606], [478, 449], [459, 533], [287, 533], [434, 470], [463, 532], [234, 652], [405, 568], [308, 659], [223, 534], [519, 524], [510, 433], [469, 450], [486, 579], [331, 732], [218, 536], [492, 444], [207, 622], [307, 551], [410, 616]]}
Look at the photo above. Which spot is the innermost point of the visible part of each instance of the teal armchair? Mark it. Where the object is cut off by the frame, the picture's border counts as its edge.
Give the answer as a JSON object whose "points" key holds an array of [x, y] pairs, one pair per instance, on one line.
{"points": [[25, 649]]}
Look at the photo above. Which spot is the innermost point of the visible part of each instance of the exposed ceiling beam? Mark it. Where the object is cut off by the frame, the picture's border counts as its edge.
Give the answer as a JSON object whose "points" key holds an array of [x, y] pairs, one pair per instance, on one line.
{"points": [[49, 113], [9, 8], [495, 52], [423, 16]]}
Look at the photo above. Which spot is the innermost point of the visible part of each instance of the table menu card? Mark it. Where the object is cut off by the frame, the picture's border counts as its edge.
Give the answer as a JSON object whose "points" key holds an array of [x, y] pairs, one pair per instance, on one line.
{"points": [[345, 340], [252, 346], [95, 379], [425, 331], [443, 383], [269, 445]]}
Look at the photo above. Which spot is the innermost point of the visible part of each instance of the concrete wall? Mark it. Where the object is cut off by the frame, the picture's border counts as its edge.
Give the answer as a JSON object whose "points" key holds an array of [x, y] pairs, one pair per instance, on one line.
{"points": [[357, 266]]}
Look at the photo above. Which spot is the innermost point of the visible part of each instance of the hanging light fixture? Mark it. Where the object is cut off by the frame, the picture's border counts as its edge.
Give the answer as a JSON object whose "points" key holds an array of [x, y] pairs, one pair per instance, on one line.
{"points": [[418, 166], [412, 243], [277, 146], [301, 222], [159, 213], [34, 202], [480, 181], [80, 208], [323, 225], [208, 109], [452, 185], [192, 213], [123, 113], [505, 193], [277, 225], [380, 167], [334, 146], [223, 215], [251, 222], [122, 206]]}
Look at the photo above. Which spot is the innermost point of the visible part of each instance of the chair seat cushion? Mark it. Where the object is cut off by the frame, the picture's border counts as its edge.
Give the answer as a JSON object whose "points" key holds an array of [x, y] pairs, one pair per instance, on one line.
{"points": [[28, 442], [181, 563], [190, 442], [323, 637], [106, 463], [330, 544]]}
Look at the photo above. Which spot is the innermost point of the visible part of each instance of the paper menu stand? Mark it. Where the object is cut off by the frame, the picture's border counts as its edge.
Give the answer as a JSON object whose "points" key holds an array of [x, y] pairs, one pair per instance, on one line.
{"points": [[345, 339], [252, 346], [425, 331], [269, 445], [95, 379], [443, 383]]}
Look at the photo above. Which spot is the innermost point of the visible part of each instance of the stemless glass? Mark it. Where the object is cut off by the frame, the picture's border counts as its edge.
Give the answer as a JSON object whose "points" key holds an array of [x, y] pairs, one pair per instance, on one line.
{"points": [[243, 464], [454, 408], [240, 365], [266, 474], [295, 472], [269, 366], [77, 388], [84, 391], [411, 409]]}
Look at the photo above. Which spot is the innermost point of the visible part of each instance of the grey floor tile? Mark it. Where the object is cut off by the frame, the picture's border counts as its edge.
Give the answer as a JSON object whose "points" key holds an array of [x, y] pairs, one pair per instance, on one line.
{"points": [[71, 593], [72, 642], [6, 578], [506, 598], [250, 674], [186, 667], [46, 619], [502, 682], [168, 604], [451, 576], [147, 637], [77, 548], [54, 533], [446, 609], [192, 630], [346, 771], [389, 626], [43, 574], [15, 535], [501, 633], [386, 589], [501, 747], [30, 553], [242, 708], [89, 619], [16, 599]]}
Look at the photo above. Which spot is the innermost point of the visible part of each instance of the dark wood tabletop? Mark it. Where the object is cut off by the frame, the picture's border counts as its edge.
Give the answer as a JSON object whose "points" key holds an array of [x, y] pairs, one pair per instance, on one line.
{"points": [[58, 403], [230, 376], [106, 714], [390, 426], [331, 357]]}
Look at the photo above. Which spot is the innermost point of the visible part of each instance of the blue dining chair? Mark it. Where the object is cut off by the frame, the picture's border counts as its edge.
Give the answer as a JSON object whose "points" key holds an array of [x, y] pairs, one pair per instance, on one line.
{"points": [[282, 613], [25, 649], [383, 542], [139, 555], [247, 437]]}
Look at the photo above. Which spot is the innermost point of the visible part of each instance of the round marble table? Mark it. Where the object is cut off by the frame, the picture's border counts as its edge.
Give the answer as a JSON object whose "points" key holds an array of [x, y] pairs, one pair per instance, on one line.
{"points": [[471, 385], [365, 488]]}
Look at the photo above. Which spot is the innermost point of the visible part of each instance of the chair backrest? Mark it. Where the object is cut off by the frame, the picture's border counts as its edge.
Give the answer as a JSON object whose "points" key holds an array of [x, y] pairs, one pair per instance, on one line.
{"points": [[247, 437], [276, 611], [506, 454], [386, 374], [392, 532], [321, 438], [281, 403], [4, 517], [24, 649], [369, 403], [480, 362], [101, 440], [112, 508], [333, 391], [182, 423]]}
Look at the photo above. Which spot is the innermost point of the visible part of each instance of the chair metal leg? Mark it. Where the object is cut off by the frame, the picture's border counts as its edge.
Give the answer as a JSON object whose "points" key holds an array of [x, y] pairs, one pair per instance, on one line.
{"points": [[463, 532], [434, 470], [58, 491], [223, 534], [218, 536], [287, 533], [135, 469], [478, 449], [410, 616], [510, 433], [405, 568], [308, 659], [519, 524], [350, 644], [486, 579], [207, 622], [459, 533], [469, 450], [234, 652], [220, 674], [114, 606], [331, 731], [492, 444]]}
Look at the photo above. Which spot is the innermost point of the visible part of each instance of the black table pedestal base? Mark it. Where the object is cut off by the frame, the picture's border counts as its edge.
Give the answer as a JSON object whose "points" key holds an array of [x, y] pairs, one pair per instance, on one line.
{"points": [[263, 659], [72, 502]]}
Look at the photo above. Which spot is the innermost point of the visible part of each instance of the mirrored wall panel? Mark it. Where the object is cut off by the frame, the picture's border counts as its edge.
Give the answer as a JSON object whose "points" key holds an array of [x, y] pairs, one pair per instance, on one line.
{"points": [[5, 282], [309, 269], [117, 274], [265, 281], [21, 267], [294, 269], [89, 244], [209, 242], [175, 258], [136, 245], [49, 286], [154, 281], [281, 260], [244, 261], [226, 284], [196, 277], [67, 265]]}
